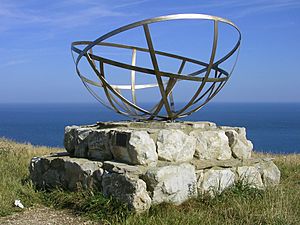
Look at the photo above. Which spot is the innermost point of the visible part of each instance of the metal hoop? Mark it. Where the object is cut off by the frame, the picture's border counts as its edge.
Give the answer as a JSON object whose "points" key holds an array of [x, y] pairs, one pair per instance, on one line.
{"points": [[122, 105]]}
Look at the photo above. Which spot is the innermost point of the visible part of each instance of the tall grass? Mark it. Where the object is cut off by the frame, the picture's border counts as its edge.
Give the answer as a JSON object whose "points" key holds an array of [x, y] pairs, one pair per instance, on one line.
{"points": [[238, 205], [14, 182]]}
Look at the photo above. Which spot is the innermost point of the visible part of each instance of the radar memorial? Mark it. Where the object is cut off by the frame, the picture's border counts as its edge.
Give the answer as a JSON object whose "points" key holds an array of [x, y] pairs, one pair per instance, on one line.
{"points": [[155, 158]]}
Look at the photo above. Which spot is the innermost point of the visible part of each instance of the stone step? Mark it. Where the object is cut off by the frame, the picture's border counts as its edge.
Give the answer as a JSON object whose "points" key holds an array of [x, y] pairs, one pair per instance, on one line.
{"points": [[147, 143], [141, 186]]}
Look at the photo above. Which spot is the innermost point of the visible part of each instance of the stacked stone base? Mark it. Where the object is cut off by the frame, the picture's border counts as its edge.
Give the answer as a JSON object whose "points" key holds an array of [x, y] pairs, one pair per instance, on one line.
{"points": [[146, 163]]}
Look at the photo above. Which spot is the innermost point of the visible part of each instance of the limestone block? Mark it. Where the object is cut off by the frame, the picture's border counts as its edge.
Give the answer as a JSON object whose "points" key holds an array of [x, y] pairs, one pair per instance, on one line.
{"points": [[37, 167], [128, 190], [81, 145], [175, 146], [172, 184], [81, 175], [249, 175], [200, 124], [65, 172], [98, 145], [70, 138], [134, 147], [142, 148], [269, 172], [211, 145], [117, 167], [241, 147], [214, 181]]}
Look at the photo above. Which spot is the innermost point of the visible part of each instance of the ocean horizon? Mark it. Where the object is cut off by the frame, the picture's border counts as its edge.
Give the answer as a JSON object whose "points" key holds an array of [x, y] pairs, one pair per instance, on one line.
{"points": [[272, 127]]}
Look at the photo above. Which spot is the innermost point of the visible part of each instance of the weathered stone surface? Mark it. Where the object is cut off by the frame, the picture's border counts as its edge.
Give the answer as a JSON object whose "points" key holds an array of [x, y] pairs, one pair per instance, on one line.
{"points": [[70, 138], [65, 172], [144, 163], [98, 145], [123, 168], [215, 181], [201, 164], [211, 145], [142, 148], [131, 191], [249, 175], [175, 146], [241, 147], [200, 124], [173, 184], [134, 147], [269, 172], [81, 144]]}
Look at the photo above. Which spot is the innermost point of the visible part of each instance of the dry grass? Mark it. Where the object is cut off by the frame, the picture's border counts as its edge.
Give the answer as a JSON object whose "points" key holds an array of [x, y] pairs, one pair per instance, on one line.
{"points": [[14, 183], [239, 205]]}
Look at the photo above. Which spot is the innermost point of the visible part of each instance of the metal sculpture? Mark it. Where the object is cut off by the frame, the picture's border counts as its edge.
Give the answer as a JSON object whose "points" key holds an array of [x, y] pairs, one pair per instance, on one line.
{"points": [[211, 74]]}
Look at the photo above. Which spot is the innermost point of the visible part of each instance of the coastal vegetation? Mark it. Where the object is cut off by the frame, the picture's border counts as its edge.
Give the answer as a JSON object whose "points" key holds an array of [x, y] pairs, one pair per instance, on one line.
{"points": [[238, 205]]}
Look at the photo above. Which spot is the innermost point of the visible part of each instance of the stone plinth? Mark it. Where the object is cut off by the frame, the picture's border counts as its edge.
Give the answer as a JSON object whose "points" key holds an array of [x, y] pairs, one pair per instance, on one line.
{"points": [[145, 163]]}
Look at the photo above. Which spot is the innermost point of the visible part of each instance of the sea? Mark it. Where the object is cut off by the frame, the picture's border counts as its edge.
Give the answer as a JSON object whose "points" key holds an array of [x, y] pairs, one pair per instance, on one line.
{"points": [[272, 127]]}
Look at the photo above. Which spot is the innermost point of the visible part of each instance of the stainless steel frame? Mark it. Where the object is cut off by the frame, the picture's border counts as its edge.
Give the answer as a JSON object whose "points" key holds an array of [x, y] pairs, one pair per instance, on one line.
{"points": [[113, 93]]}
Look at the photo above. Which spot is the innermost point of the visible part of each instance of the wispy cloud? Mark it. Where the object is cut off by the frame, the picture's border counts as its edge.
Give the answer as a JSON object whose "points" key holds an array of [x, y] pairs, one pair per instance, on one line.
{"points": [[266, 6], [13, 62], [131, 3], [240, 8], [61, 14]]}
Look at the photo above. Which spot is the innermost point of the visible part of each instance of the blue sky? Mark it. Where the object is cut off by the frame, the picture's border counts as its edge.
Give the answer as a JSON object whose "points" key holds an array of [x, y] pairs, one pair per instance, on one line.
{"points": [[35, 36]]}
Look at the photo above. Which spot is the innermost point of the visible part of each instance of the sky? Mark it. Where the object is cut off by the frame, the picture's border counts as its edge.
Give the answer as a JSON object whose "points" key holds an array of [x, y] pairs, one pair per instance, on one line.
{"points": [[35, 37]]}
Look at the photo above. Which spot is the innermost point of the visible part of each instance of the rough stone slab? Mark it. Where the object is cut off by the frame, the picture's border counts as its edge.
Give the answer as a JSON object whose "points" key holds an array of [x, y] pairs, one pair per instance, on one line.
{"points": [[205, 125], [70, 138], [172, 184], [98, 144], [241, 147], [134, 142], [175, 146], [211, 144], [81, 143], [133, 147], [131, 191], [65, 172], [249, 175], [123, 168], [214, 181], [206, 164], [269, 172], [136, 185]]}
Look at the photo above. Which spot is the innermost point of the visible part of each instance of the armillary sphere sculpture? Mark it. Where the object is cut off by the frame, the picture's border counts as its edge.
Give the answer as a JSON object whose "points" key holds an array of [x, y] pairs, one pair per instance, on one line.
{"points": [[210, 77]]}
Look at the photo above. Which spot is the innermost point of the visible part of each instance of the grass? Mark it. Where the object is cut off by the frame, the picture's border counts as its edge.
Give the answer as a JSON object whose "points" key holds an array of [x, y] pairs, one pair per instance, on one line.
{"points": [[238, 205]]}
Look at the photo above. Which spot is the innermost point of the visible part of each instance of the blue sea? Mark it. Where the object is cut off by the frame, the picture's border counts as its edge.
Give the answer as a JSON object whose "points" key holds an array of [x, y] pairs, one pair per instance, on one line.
{"points": [[272, 127]]}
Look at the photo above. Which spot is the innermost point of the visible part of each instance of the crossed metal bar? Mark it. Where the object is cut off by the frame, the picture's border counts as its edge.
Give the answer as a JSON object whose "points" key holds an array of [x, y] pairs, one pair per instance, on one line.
{"points": [[122, 105]]}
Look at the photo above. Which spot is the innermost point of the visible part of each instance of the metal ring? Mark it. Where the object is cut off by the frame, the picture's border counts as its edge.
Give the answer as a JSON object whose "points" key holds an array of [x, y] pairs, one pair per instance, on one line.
{"points": [[113, 92]]}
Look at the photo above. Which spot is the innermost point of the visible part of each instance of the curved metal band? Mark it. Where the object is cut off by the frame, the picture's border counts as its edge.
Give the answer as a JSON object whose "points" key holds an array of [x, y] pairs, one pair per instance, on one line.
{"points": [[165, 87]]}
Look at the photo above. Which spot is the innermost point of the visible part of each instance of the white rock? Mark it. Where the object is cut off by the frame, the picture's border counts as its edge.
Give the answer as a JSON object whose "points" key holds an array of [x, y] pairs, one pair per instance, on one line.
{"points": [[142, 149], [98, 145], [269, 172], [211, 145], [241, 147], [134, 147], [81, 145], [249, 175], [127, 190], [201, 124], [70, 138], [215, 181], [66, 172], [172, 184], [175, 146]]}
